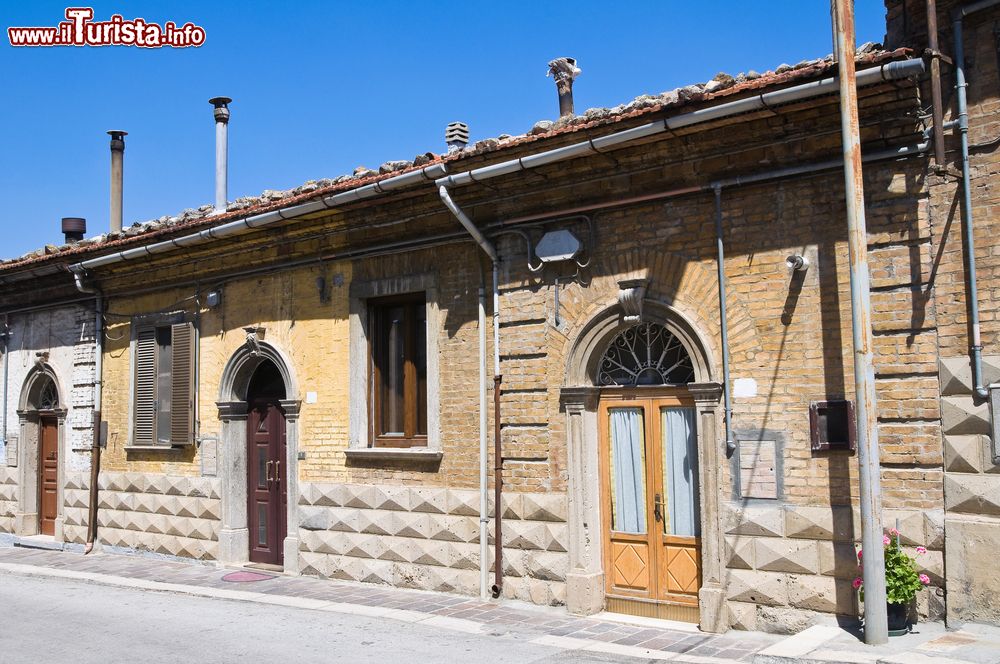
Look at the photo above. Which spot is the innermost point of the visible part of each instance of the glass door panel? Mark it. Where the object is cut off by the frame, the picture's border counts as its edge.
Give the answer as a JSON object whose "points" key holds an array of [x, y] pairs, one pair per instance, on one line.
{"points": [[628, 470], [680, 472]]}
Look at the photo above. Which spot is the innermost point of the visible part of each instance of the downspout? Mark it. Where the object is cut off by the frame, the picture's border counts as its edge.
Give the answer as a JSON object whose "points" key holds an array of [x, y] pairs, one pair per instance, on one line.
{"points": [[980, 390], [490, 251], [721, 267], [484, 482], [5, 335], [95, 450]]}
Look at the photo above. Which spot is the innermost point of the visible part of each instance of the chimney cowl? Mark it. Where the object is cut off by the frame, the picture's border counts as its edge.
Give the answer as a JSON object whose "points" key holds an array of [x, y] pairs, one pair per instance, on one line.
{"points": [[74, 228], [221, 108], [456, 135]]}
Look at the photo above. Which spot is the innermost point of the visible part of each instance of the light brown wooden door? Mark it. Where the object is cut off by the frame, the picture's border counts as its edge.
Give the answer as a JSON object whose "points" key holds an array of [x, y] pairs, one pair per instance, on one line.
{"points": [[649, 475], [48, 474], [267, 494]]}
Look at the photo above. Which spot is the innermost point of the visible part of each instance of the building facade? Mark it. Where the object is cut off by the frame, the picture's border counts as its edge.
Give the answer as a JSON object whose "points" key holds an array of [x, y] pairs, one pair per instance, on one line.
{"points": [[309, 395]]}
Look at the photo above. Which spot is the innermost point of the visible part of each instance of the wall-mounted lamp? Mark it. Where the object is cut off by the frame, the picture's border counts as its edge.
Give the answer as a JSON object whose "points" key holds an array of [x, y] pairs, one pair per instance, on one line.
{"points": [[797, 263], [213, 299]]}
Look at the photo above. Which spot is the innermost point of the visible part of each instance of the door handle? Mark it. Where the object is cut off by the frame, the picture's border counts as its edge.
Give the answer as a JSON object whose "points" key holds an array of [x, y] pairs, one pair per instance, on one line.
{"points": [[267, 472], [658, 507]]}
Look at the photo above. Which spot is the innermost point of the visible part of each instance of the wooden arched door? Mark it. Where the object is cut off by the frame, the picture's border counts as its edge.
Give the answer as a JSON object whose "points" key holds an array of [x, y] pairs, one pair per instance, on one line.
{"points": [[267, 473]]}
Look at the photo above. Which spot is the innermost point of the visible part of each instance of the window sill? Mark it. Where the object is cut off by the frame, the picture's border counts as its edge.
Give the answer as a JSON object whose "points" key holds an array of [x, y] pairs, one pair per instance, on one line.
{"points": [[414, 454]]}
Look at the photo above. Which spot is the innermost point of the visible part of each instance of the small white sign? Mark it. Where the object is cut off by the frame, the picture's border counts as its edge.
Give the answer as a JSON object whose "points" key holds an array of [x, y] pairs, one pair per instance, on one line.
{"points": [[311, 397], [744, 388]]}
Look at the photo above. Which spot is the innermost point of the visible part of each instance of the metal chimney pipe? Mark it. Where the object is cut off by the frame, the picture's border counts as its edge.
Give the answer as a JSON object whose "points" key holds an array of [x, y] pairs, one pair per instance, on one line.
{"points": [[564, 70], [117, 159], [221, 105]]}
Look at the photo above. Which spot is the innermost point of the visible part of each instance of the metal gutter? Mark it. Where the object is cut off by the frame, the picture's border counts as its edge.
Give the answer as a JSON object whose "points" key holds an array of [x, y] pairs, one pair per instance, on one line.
{"points": [[980, 390], [889, 71], [256, 221]]}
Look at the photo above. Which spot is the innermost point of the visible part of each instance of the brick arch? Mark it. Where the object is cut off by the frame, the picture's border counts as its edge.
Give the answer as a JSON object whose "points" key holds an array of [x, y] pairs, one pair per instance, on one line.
{"points": [[676, 281]]}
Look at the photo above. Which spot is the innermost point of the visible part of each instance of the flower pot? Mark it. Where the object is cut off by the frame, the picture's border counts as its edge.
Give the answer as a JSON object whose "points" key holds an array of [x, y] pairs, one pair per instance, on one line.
{"points": [[897, 617]]}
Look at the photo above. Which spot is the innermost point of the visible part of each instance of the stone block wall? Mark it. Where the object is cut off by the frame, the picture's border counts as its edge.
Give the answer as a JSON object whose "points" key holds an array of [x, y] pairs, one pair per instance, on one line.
{"points": [[786, 564], [8, 498], [166, 514], [428, 538]]}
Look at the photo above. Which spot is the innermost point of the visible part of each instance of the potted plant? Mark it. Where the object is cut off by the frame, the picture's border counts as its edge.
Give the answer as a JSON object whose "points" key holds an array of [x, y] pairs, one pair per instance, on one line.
{"points": [[902, 581]]}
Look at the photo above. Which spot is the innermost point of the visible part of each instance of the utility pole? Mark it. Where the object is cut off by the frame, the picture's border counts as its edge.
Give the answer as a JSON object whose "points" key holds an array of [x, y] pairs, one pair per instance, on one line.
{"points": [[873, 559]]}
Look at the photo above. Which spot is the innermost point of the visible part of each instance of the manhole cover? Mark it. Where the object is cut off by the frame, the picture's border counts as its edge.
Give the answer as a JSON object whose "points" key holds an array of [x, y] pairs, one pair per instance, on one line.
{"points": [[246, 577]]}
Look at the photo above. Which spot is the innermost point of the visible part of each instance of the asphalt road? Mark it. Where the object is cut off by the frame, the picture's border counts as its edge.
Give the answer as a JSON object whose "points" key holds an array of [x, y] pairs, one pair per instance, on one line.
{"points": [[46, 620]]}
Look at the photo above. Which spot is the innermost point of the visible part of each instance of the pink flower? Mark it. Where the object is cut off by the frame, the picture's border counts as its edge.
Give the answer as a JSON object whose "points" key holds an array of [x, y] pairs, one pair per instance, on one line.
{"points": [[924, 579], [859, 553], [921, 550], [893, 532], [885, 540], [856, 583]]}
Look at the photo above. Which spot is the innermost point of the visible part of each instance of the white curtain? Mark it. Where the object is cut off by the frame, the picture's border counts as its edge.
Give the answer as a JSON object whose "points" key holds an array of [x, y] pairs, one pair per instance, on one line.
{"points": [[680, 471], [628, 508]]}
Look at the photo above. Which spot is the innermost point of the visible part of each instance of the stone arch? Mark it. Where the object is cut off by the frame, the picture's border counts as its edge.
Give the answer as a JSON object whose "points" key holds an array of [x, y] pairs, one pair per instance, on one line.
{"points": [[35, 383], [234, 536], [594, 334], [244, 362], [31, 409]]}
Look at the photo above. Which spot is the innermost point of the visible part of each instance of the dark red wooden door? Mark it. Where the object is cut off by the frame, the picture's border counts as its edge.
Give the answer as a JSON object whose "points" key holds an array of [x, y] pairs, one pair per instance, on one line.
{"points": [[48, 469], [266, 492]]}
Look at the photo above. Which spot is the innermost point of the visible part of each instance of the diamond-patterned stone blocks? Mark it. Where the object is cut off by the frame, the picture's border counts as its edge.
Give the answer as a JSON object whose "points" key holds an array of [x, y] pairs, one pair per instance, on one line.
{"points": [[428, 537]]}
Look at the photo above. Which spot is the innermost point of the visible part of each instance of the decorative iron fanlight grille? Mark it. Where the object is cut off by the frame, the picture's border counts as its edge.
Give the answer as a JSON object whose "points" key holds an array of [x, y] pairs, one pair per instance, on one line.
{"points": [[48, 397], [647, 354]]}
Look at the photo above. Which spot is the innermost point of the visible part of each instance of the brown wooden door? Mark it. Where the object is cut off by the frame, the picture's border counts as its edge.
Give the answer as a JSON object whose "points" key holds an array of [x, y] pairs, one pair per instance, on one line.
{"points": [[48, 474], [266, 492], [649, 475]]}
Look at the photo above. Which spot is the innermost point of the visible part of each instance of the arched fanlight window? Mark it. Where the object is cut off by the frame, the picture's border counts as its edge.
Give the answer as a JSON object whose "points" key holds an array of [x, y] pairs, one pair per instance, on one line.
{"points": [[647, 354], [48, 395]]}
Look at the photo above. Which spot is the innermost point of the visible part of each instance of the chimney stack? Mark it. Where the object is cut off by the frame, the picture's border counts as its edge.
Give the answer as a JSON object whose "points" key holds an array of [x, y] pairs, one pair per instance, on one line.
{"points": [[117, 157], [74, 228], [564, 70], [456, 135], [221, 105]]}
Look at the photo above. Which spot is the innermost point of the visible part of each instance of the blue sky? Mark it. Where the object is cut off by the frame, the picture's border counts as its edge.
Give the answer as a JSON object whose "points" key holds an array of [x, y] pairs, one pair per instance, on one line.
{"points": [[322, 87]]}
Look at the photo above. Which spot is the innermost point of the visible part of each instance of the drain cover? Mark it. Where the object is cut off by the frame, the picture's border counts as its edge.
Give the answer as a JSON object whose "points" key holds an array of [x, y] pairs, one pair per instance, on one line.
{"points": [[246, 577]]}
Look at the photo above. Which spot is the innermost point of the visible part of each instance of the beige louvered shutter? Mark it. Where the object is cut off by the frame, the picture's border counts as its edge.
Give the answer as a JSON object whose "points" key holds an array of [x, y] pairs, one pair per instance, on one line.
{"points": [[182, 384], [145, 388]]}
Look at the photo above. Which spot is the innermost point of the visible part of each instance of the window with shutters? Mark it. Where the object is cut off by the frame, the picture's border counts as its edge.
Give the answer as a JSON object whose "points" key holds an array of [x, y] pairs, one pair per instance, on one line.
{"points": [[399, 371], [163, 398]]}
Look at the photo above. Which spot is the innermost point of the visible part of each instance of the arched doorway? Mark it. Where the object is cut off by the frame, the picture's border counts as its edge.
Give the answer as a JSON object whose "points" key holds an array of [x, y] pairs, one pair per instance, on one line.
{"points": [[258, 452], [651, 517], [267, 472], [41, 414], [642, 405]]}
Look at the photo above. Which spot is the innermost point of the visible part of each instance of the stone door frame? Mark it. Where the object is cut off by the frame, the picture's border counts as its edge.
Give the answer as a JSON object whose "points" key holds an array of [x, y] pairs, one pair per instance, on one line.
{"points": [[27, 512], [580, 396], [234, 535]]}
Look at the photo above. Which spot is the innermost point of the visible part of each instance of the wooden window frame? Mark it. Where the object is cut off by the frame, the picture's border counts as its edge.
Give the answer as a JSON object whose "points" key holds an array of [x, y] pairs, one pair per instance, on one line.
{"points": [[180, 428], [376, 308]]}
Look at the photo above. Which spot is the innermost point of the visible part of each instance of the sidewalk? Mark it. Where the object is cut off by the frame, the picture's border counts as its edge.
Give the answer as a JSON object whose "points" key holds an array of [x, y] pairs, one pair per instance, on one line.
{"points": [[604, 633]]}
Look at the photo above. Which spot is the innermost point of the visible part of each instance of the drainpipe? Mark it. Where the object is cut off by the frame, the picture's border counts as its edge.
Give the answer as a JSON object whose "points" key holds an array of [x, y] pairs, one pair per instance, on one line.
{"points": [[221, 112], [490, 251], [5, 335], [721, 267], [484, 482], [117, 172], [873, 566], [980, 389], [95, 449]]}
